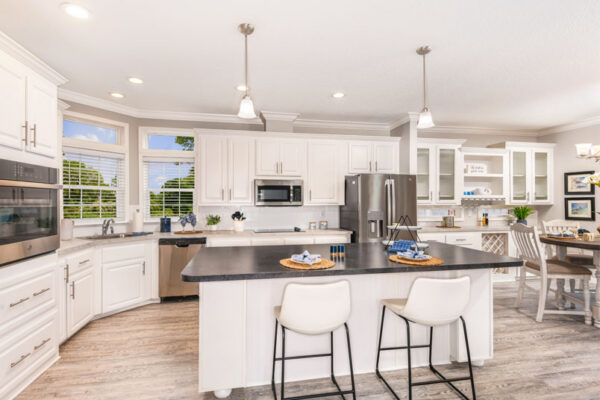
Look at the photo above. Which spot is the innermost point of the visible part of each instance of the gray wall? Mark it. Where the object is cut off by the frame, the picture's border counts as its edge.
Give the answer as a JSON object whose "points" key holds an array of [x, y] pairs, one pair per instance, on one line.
{"points": [[565, 160]]}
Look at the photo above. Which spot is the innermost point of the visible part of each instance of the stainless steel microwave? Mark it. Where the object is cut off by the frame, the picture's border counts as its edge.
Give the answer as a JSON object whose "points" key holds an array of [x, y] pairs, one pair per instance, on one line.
{"points": [[278, 192], [28, 211]]}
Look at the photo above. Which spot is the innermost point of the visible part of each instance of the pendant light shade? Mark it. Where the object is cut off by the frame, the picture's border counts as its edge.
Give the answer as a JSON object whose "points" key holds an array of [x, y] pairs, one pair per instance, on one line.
{"points": [[246, 105], [246, 108], [425, 118]]}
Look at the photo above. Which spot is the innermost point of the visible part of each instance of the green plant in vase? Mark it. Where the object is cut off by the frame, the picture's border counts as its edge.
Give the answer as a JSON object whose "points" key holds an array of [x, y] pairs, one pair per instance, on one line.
{"points": [[522, 213], [212, 220]]}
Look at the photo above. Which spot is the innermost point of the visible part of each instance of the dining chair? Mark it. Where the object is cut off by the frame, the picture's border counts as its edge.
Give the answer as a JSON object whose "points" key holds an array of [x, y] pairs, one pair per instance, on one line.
{"points": [[530, 249], [561, 225]]}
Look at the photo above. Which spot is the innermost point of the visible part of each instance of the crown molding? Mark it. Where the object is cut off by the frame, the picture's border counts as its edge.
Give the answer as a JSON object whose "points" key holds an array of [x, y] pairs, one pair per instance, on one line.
{"points": [[593, 121], [14, 49], [279, 116], [479, 130], [399, 122], [107, 105], [350, 125]]}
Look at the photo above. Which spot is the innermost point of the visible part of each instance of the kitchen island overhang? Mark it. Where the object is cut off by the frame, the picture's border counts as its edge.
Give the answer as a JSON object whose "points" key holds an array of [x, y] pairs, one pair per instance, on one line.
{"points": [[239, 286]]}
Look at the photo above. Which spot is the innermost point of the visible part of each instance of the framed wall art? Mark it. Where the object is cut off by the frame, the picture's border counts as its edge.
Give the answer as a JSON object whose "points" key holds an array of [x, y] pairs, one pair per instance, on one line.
{"points": [[580, 209], [575, 183]]}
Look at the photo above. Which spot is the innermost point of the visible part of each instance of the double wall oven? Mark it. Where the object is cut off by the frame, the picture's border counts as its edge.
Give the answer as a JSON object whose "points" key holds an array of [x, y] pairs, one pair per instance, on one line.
{"points": [[28, 211]]}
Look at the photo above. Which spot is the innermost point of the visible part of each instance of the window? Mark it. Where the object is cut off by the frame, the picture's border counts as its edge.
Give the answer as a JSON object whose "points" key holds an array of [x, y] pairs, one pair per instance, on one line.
{"points": [[92, 133], [93, 186], [94, 174], [168, 188], [170, 142]]}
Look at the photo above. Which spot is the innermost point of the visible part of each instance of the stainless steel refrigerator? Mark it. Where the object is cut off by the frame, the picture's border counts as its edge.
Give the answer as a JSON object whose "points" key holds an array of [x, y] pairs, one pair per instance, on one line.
{"points": [[374, 201]]}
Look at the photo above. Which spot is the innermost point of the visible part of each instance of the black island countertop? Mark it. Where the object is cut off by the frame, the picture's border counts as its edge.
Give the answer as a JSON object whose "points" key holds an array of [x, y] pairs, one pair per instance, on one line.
{"points": [[262, 262]]}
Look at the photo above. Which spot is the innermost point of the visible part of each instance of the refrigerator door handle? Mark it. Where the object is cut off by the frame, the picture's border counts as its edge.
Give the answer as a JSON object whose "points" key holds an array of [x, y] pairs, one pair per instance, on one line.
{"points": [[388, 202], [393, 196]]}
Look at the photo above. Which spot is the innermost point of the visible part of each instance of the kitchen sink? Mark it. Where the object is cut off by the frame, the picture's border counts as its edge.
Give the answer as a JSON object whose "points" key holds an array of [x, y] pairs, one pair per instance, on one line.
{"points": [[117, 235]]}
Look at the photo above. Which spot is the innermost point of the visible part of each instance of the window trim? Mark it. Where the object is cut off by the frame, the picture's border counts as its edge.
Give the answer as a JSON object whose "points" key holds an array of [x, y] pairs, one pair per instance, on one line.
{"points": [[146, 131], [120, 150]]}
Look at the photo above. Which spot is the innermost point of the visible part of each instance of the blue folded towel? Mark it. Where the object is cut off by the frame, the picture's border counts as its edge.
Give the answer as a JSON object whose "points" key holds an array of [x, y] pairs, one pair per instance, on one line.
{"points": [[415, 255], [306, 258]]}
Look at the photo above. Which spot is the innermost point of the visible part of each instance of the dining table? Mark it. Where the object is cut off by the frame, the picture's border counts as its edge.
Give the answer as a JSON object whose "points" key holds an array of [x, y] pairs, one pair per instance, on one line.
{"points": [[563, 244]]}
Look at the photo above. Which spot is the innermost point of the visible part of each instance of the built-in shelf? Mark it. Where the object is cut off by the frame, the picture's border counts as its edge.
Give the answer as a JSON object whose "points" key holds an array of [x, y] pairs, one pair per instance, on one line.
{"points": [[484, 175]]}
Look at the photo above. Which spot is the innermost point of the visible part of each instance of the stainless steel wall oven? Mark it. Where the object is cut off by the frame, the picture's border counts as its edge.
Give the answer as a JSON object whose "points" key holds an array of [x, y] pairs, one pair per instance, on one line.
{"points": [[28, 211]]}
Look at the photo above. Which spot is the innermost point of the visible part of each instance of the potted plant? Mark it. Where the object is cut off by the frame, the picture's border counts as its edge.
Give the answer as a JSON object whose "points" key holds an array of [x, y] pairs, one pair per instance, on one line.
{"points": [[212, 221], [238, 221], [522, 213]]}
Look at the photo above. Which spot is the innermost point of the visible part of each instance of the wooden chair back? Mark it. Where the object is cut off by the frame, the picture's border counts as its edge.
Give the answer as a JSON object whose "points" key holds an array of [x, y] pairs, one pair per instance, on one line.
{"points": [[529, 246]]}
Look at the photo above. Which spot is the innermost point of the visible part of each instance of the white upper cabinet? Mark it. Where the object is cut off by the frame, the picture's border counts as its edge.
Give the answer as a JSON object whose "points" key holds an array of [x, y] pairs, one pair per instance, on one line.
{"points": [[226, 169], [531, 172], [28, 114], [42, 117], [280, 157], [366, 157], [325, 181], [439, 172], [13, 81]]}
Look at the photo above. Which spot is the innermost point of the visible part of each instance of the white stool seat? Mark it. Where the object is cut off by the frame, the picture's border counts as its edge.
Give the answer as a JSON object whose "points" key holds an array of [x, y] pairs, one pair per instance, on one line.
{"points": [[395, 305]]}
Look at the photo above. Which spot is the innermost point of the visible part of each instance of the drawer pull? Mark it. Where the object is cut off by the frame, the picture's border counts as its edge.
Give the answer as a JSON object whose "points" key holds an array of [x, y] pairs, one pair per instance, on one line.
{"points": [[24, 299], [461, 240], [41, 344], [24, 356], [84, 261], [41, 292]]}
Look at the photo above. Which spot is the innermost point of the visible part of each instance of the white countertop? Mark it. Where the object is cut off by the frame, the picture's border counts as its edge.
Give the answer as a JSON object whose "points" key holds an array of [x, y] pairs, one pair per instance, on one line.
{"points": [[69, 246]]}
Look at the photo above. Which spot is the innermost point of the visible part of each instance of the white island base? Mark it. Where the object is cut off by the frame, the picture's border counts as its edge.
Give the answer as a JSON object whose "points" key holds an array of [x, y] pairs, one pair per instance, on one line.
{"points": [[237, 324]]}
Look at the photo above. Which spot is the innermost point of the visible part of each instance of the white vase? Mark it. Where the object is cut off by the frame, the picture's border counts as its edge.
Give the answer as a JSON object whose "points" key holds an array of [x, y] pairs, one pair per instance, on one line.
{"points": [[212, 227], [238, 226]]}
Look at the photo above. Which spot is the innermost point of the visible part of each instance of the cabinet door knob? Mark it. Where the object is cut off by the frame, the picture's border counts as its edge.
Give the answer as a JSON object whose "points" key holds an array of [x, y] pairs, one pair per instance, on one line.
{"points": [[26, 126], [34, 130]]}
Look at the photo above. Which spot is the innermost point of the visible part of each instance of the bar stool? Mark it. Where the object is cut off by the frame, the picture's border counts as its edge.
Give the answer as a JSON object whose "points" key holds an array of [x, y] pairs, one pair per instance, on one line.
{"points": [[313, 309], [430, 302]]}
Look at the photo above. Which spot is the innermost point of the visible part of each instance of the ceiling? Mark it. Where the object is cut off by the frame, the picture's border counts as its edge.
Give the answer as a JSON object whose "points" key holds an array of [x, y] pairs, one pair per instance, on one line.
{"points": [[523, 64]]}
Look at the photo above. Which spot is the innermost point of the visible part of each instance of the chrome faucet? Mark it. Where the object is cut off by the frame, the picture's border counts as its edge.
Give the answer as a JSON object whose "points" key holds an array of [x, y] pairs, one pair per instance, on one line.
{"points": [[108, 223]]}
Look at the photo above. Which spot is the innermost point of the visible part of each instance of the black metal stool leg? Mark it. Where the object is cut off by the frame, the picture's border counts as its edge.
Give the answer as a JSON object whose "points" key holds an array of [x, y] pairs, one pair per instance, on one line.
{"points": [[469, 357], [274, 357], [282, 361], [409, 361], [379, 344], [350, 360]]}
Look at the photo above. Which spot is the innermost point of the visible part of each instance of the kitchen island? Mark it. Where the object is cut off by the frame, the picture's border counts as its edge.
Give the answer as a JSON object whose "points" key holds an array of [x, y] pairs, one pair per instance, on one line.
{"points": [[240, 286]]}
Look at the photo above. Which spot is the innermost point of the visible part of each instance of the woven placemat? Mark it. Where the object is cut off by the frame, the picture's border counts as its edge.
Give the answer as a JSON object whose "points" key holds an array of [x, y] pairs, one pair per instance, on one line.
{"points": [[324, 264], [448, 227], [187, 232], [560, 237], [427, 263]]}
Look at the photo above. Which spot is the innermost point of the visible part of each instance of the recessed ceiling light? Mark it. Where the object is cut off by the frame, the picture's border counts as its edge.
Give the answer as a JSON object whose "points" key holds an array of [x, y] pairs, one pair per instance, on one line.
{"points": [[135, 81], [338, 95], [75, 11], [241, 88], [117, 95]]}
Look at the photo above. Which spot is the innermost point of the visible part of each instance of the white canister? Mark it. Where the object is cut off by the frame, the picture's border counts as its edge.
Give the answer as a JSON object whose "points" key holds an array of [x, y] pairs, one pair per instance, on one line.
{"points": [[66, 229], [238, 226]]}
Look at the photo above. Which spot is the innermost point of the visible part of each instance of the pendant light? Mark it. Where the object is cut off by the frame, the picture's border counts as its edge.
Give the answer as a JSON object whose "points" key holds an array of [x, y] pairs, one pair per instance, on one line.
{"points": [[246, 105], [425, 118]]}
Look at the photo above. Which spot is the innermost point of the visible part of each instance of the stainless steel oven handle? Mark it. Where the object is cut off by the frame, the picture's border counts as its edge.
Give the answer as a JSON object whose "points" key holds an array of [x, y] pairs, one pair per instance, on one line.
{"points": [[4, 182]]}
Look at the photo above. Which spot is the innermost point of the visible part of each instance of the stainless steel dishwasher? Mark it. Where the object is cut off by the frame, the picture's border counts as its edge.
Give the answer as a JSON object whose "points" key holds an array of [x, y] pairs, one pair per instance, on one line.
{"points": [[174, 254]]}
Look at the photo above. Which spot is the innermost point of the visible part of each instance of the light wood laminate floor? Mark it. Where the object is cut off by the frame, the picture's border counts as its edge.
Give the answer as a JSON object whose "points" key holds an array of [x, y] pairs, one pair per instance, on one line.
{"points": [[150, 353]]}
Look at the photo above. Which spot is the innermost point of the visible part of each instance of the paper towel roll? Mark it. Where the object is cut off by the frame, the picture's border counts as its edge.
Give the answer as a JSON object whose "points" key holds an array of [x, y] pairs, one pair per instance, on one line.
{"points": [[66, 229], [138, 221]]}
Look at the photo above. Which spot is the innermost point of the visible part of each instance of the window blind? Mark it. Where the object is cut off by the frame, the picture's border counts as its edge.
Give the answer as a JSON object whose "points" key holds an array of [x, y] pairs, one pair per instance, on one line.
{"points": [[93, 186], [168, 188]]}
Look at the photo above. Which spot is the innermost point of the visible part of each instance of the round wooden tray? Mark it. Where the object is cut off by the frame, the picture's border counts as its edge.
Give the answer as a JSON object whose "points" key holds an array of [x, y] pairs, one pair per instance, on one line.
{"points": [[449, 227], [560, 237], [425, 263], [187, 232], [324, 264]]}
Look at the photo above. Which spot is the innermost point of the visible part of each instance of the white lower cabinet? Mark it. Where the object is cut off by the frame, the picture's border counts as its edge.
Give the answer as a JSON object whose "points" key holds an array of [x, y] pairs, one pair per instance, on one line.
{"points": [[80, 301], [270, 241], [126, 276]]}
